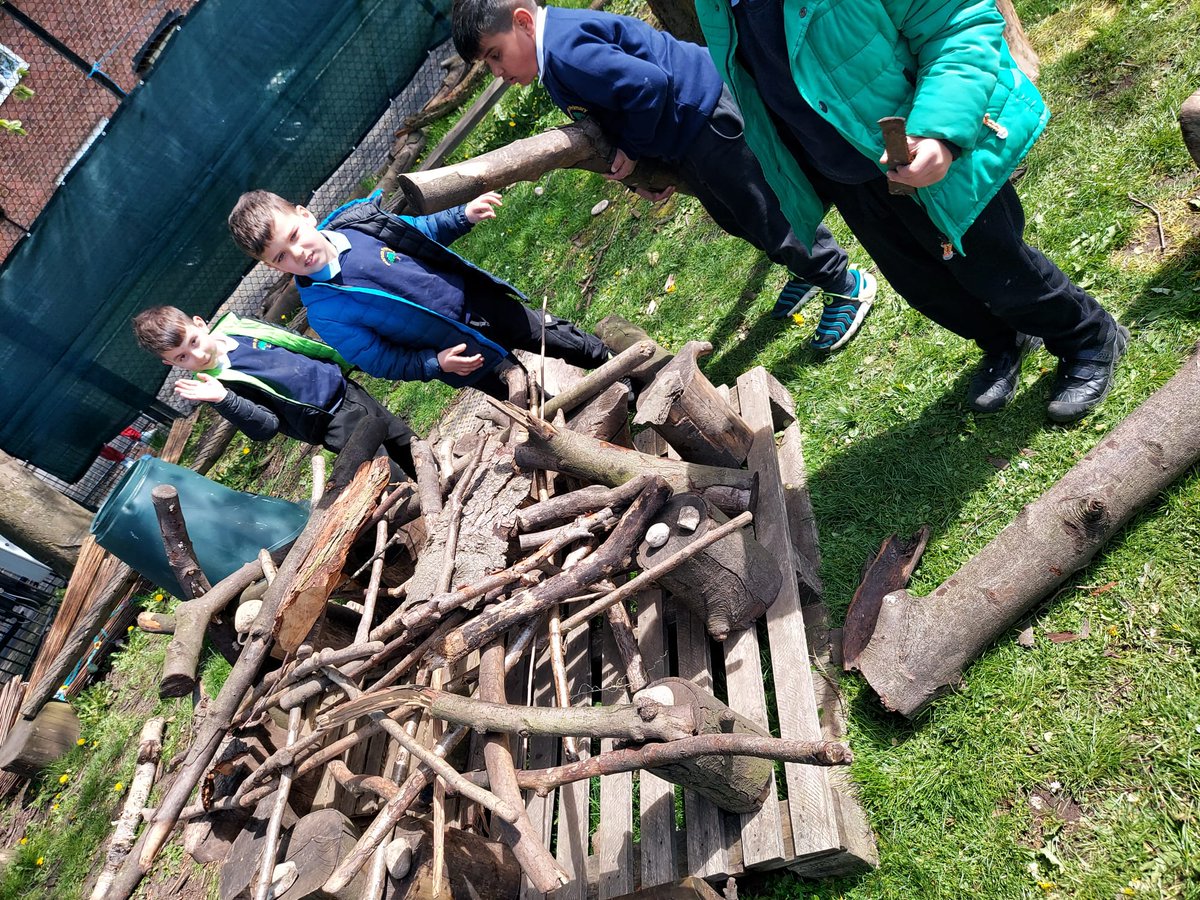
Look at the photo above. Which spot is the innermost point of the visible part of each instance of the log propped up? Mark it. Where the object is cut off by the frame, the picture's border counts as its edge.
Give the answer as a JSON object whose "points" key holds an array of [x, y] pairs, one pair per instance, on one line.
{"points": [[920, 645]]}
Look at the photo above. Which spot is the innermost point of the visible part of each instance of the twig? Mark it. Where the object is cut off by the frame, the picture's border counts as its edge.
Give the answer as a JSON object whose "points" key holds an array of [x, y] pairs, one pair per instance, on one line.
{"points": [[1162, 240]]}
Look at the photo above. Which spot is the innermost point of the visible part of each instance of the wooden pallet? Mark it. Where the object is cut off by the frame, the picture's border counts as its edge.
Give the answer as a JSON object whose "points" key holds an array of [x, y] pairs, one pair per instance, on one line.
{"points": [[819, 830]]}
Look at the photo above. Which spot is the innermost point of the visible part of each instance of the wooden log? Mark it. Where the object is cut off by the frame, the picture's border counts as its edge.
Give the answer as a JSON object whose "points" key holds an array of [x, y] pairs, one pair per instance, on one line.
{"points": [[315, 845], [620, 334], [526, 841], [31, 745], [728, 585], [237, 874], [214, 440], [580, 145], [177, 543], [1189, 125], [149, 750], [921, 645], [606, 417], [1018, 43], [682, 405], [736, 784], [598, 381], [889, 571], [156, 623], [562, 450]]}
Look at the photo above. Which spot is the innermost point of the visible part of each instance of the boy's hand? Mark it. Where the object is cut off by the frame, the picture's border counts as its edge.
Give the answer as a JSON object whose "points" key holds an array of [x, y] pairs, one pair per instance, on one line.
{"points": [[930, 160], [655, 196], [483, 207], [203, 388], [622, 167], [453, 362]]}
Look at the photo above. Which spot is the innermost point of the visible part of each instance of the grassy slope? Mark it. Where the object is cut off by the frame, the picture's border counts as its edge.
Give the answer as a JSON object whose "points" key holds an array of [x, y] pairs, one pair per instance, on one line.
{"points": [[1107, 727]]}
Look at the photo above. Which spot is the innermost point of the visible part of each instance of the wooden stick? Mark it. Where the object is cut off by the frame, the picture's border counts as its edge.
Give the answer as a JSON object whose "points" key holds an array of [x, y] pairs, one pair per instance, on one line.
{"points": [[270, 850], [646, 578], [363, 632], [598, 380], [627, 647], [535, 859], [454, 510], [149, 750], [429, 485]]}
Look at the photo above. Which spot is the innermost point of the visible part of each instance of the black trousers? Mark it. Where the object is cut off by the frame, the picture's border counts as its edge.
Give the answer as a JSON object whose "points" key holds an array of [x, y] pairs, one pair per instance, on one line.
{"points": [[1001, 285], [357, 405], [515, 326], [728, 181]]}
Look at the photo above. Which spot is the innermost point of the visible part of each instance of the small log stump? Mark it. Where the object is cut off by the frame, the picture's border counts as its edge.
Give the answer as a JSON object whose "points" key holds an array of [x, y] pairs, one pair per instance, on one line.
{"points": [[738, 784], [728, 585], [682, 405], [34, 744]]}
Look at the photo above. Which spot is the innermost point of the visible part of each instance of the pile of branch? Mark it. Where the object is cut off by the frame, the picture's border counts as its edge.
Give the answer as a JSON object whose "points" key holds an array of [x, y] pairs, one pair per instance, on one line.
{"points": [[514, 537]]}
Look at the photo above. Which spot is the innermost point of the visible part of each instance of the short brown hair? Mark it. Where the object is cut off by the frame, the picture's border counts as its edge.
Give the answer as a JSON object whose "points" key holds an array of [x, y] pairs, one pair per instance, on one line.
{"points": [[474, 20], [161, 329], [253, 218]]}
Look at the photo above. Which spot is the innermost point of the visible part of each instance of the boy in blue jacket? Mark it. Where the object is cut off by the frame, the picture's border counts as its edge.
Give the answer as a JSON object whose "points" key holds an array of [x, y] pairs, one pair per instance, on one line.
{"points": [[392, 299], [658, 97], [814, 77], [268, 380]]}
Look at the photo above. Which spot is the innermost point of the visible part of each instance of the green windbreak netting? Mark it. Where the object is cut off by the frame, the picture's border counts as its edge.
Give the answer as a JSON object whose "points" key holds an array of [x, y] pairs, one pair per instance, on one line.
{"points": [[248, 94]]}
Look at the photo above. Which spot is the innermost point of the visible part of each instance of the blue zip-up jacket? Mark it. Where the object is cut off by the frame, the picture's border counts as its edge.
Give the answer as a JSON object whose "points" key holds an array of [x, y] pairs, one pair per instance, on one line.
{"points": [[389, 336], [648, 91]]}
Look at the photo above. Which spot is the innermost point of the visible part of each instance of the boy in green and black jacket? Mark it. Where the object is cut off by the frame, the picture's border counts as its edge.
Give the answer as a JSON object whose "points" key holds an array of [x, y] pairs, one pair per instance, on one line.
{"points": [[268, 380]]}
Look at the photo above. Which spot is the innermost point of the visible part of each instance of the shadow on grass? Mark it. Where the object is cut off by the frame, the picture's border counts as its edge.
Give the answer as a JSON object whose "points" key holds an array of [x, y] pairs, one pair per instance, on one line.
{"points": [[1172, 292]]}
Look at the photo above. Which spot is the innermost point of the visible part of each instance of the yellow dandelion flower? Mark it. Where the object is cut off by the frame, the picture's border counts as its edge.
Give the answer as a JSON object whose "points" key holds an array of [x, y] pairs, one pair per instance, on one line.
{"points": [[119, 786], [797, 318], [283, 317], [53, 807], [245, 450], [81, 742], [24, 841], [130, 628], [64, 777], [512, 124], [41, 860]]}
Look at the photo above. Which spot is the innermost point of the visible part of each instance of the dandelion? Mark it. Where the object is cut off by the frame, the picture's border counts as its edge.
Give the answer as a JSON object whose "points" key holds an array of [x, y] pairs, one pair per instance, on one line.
{"points": [[53, 807], [797, 318], [41, 860], [81, 742], [130, 628], [245, 451], [512, 124], [64, 777], [24, 841], [283, 317], [119, 786]]}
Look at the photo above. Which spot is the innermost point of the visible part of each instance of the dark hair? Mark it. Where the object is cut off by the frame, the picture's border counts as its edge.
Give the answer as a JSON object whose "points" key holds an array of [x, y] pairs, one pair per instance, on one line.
{"points": [[252, 219], [473, 20], [161, 329]]}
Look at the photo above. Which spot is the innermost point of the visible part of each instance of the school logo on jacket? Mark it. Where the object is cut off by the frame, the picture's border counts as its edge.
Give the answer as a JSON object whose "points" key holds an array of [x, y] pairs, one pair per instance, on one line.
{"points": [[577, 112], [388, 256]]}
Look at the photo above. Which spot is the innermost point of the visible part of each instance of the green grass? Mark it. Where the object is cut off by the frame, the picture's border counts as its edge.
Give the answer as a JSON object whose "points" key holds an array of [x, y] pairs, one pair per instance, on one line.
{"points": [[1109, 725]]}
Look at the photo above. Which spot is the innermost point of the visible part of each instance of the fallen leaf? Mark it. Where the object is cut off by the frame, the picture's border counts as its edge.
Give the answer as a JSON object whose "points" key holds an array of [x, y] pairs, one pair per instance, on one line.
{"points": [[651, 307], [1063, 637], [1104, 588], [1025, 638], [1025, 451]]}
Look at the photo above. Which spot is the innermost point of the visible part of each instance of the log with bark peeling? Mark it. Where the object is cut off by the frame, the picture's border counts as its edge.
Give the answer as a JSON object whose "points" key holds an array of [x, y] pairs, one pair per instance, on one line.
{"points": [[920, 645]]}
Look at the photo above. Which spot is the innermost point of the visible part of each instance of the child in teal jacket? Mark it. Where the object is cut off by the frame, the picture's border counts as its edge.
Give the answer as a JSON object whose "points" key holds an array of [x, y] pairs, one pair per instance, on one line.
{"points": [[813, 78]]}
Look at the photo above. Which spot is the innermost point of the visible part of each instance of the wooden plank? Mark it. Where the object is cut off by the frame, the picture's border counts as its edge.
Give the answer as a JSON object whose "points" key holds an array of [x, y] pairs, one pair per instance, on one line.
{"points": [[614, 837], [802, 521], [707, 853], [656, 797], [571, 849], [464, 126], [541, 753], [810, 802]]}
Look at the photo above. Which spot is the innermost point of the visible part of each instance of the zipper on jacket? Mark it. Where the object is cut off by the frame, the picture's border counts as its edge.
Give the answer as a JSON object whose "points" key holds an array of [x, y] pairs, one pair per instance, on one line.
{"points": [[989, 122]]}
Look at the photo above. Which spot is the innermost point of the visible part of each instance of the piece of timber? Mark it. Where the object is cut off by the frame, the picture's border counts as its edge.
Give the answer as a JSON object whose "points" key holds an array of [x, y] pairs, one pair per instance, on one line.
{"points": [[814, 824], [614, 837], [571, 847], [889, 571], [541, 751], [656, 796]]}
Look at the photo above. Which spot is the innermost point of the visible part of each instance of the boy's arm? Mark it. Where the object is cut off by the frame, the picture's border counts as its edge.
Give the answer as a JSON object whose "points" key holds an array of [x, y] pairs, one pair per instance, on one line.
{"points": [[252, 419], [378, 356], [445, 227], [958, 53], [607, 77]]}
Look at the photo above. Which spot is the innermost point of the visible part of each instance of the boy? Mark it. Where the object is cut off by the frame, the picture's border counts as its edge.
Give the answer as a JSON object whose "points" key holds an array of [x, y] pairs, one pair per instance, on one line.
{"points": [[812, 95], [267, 380], [392, 299], [657, 97]]}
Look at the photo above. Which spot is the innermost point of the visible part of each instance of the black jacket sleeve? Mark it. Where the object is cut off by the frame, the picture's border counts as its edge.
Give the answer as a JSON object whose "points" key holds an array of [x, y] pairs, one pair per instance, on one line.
{"points": [[255, 421]]}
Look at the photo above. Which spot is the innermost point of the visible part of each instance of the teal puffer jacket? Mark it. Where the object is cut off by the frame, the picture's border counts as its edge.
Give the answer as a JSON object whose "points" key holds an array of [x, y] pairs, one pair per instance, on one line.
{"points": [[942, 64]]}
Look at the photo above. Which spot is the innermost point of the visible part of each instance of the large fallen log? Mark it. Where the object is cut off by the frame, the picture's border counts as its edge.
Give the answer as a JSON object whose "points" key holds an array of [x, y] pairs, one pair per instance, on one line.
{"points": [[580, 145], [920, 645]]}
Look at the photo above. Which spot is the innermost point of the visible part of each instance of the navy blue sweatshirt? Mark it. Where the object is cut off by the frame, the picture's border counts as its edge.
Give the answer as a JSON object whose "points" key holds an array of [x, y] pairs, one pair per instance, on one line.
{"points": [[648, 91]]}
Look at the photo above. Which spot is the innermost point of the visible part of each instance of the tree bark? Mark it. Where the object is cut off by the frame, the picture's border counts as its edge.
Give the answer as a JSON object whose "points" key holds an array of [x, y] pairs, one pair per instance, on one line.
{"points": [[921, 645], [1014, 35], [44, 523]]}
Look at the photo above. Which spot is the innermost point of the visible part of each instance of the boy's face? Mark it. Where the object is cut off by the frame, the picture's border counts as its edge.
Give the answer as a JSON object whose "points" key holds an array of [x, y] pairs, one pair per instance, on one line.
{"points": [[296, 246], [512, 54], [198, 351]]}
